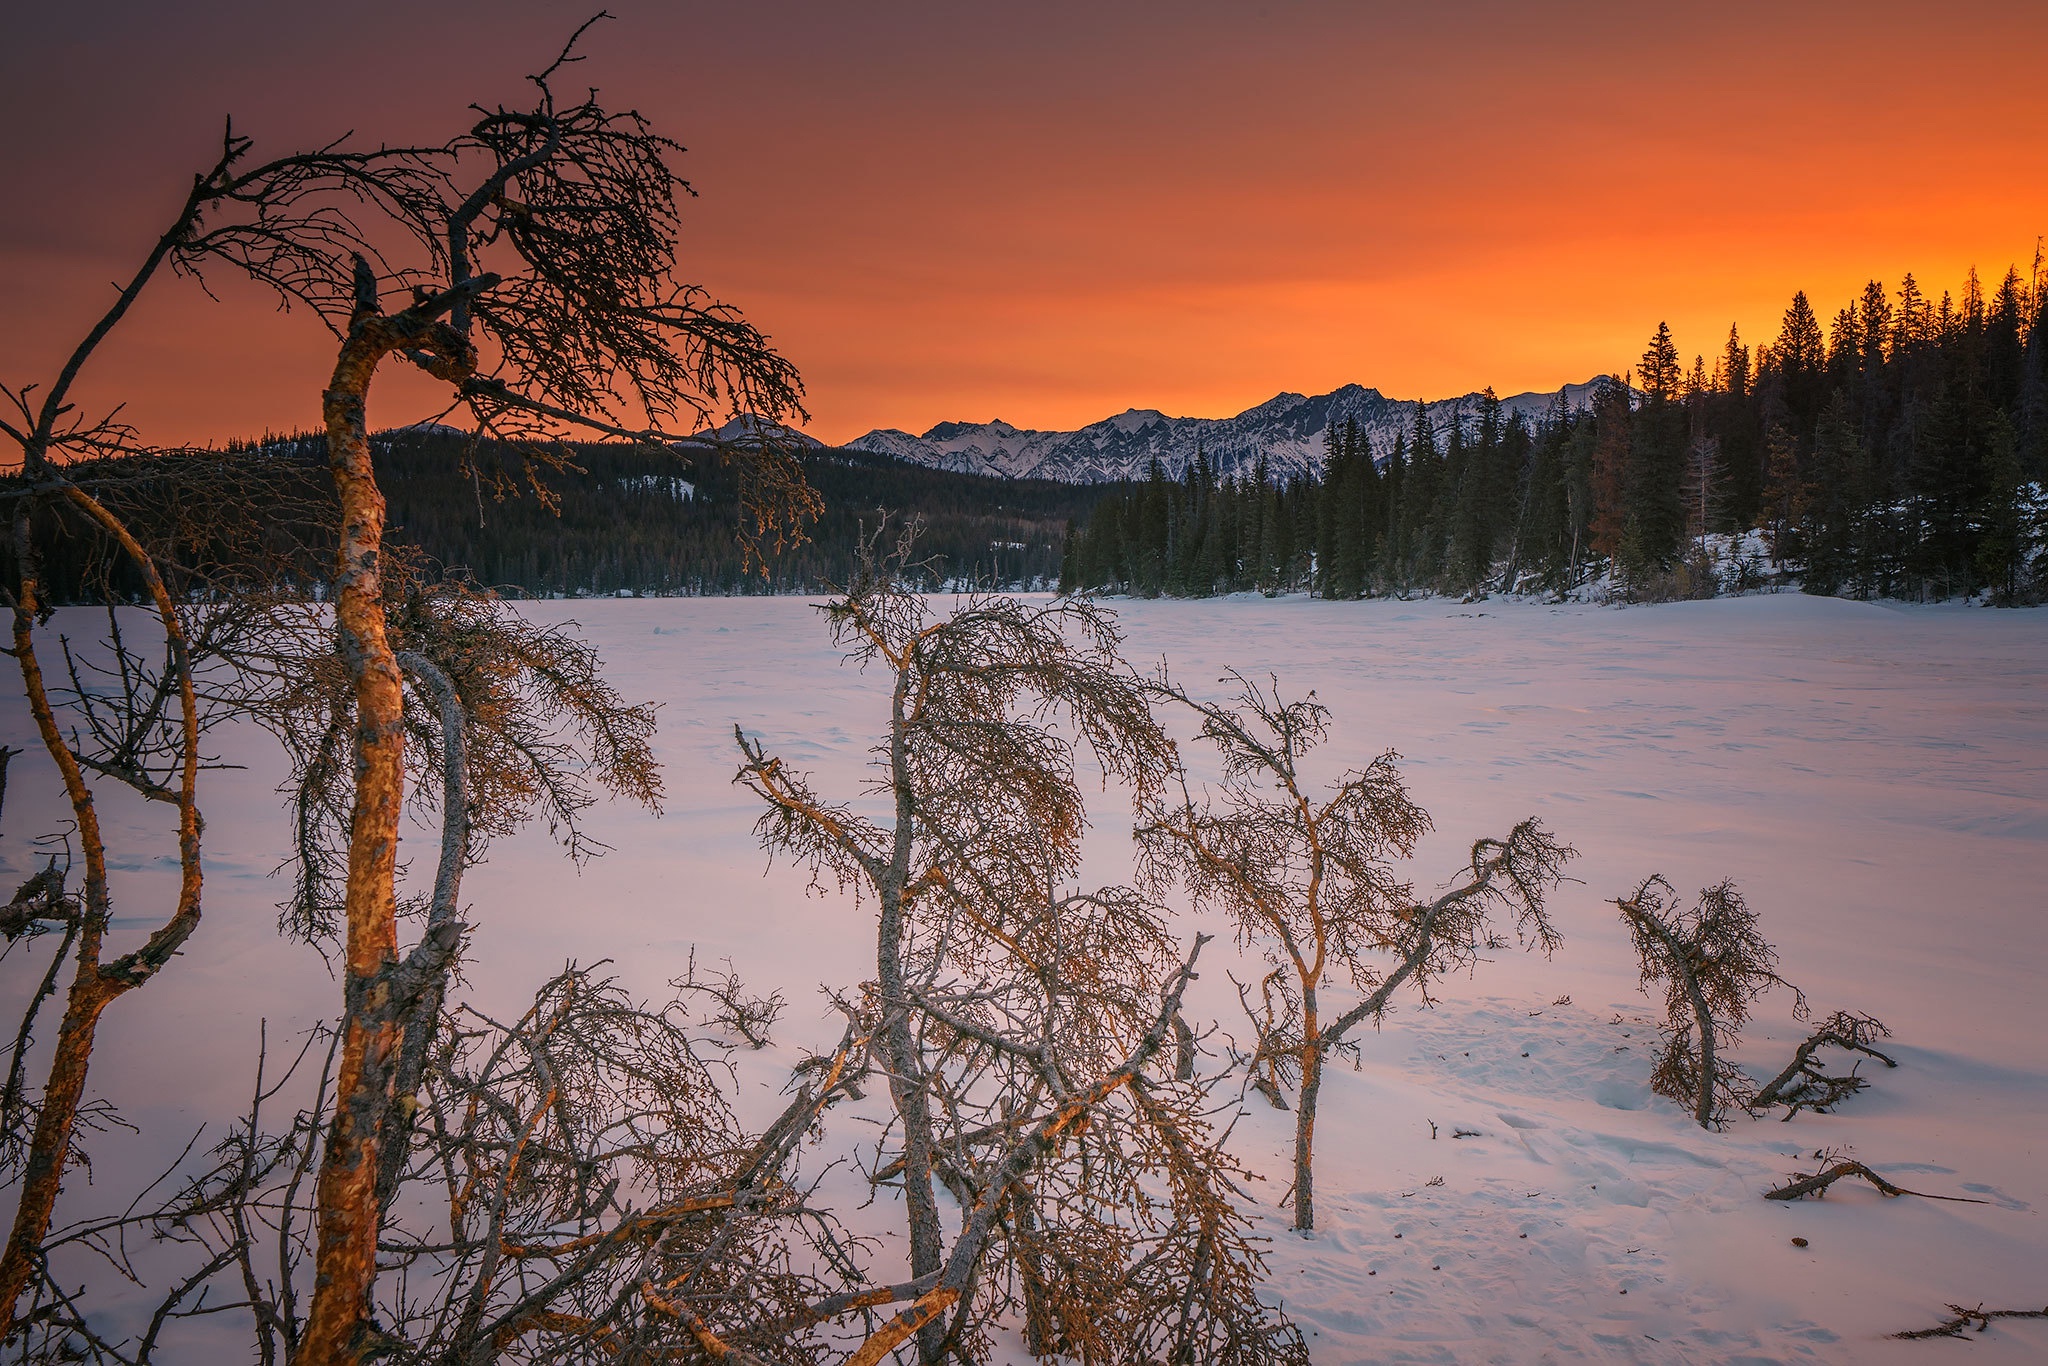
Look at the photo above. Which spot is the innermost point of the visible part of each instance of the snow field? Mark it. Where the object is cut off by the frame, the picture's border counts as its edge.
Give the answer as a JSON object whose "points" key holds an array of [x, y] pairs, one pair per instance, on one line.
{"points": [[1874, 779]]}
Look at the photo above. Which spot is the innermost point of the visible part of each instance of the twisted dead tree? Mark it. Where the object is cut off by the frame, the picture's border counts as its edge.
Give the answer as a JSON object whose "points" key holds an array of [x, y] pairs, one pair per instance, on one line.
{"points": [[1025, 1031], [130, 711], [1308, 875], [1714, 965], [541, 287], [536, 252]]}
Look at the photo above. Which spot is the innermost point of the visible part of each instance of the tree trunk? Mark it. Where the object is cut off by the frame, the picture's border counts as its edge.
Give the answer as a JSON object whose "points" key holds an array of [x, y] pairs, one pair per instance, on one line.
{"points": [[93, 984], [347, 1190], [1681, 968], [50, 1144], [345, 1263], [1703, 1104], [906, 1073], [1305, 1117]]}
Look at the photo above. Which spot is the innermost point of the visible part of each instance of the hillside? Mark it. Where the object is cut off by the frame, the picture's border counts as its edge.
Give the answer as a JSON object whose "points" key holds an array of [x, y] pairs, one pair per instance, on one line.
{"points": [[619, 518]]}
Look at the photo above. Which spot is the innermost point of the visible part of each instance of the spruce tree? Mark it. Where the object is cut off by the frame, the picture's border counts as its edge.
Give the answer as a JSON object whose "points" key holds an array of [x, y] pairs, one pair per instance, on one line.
{"points": [[1653, 518]]}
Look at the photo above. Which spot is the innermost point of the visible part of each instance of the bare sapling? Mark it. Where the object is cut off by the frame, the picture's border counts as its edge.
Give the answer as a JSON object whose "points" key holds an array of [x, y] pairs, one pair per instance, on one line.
{"points": [[1309, 875], [1031, 1034], [1714, 964]]}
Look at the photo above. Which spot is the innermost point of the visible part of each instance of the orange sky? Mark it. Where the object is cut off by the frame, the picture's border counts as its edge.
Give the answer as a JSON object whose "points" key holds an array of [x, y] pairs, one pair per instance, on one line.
{"points": [[1048, 212]]}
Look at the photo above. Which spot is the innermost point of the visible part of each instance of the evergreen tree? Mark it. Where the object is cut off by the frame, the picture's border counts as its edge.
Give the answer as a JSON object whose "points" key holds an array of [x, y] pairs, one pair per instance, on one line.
{"points": [[1606, 467], [1653, 520], [1800, 359], [1420, 529]]}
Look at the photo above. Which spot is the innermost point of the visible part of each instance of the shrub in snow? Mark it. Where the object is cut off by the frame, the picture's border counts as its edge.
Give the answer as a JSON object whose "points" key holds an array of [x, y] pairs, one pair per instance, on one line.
{"points": [[1713, 964]]}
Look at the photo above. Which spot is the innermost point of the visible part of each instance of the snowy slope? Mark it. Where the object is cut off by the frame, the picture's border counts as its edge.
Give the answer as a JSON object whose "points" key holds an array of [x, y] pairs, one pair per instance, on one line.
{"points": [[1288, 428], [1873, 778]]}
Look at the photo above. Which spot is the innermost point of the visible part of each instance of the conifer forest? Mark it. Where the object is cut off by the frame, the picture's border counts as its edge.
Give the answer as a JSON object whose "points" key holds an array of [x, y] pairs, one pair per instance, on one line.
{"points": [[1899, 453]]}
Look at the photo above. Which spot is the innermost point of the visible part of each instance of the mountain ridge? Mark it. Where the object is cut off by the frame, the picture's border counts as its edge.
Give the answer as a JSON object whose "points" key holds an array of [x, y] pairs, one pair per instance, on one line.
{"points": [[1287, 429]]}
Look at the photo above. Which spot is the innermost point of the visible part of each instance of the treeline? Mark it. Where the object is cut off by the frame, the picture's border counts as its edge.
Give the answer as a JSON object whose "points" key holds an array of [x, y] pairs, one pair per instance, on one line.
{"points": [[648, 522], [1899, 452], [592, 519]]}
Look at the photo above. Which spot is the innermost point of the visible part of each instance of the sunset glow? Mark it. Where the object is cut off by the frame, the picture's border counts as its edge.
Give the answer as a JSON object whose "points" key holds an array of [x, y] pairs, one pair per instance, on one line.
{"points": [[1053, 213]]}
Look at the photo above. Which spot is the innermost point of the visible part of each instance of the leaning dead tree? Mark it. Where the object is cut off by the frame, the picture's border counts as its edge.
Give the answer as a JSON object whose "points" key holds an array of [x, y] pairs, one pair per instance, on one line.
{"points": [[1714, 965], [1836, 1166], [1028, 1033], [139, 725], [1804, 1086], [1308, 874]]}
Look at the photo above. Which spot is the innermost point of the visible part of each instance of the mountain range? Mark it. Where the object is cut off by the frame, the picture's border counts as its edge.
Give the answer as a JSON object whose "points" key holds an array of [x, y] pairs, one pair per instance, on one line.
{"points": [[1287, 429]]}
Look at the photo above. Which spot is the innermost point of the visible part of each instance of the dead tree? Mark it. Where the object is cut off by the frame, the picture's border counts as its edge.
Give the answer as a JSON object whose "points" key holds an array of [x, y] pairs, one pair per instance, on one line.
{"points": [[577, 1190], [1714, 964], [1835, 1165], [1023, 1029], [1803, 1086], [126, 711], [541, 288], [1310, 877], [168, 734], [536, 254], [145, 736], [1969, 1320]]}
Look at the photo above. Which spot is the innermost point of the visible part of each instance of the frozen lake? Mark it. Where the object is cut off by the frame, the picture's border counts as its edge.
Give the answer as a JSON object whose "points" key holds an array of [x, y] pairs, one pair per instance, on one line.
{"points": [[1874, 779]]}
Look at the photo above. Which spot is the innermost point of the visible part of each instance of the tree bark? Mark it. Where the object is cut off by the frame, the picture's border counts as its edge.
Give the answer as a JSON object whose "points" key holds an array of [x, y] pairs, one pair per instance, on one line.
{"points": [[1305, 1115], [906, 1079], [372, 1031], [1681, 967]]}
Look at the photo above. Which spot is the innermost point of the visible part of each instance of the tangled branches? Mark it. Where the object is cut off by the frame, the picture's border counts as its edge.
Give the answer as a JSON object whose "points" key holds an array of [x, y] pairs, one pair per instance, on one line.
{"points": [[1310, 878], [1024, 1029], [578, 1190]]}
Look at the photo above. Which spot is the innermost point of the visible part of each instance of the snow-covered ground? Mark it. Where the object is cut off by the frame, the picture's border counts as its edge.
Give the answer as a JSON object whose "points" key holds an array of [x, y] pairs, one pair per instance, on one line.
{"points": [[1875, 779]]}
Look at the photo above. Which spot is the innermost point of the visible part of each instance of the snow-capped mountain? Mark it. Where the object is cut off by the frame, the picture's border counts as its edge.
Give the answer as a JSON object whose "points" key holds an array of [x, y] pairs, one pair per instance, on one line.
{"points": [[1287, 428], [749, 428]]}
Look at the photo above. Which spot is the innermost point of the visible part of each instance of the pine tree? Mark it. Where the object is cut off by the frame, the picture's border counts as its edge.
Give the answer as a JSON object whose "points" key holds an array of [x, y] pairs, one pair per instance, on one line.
{"points": [[1800, 358], [1653, 520], [1419, 525], [1828, 530], [1393, 555]]}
